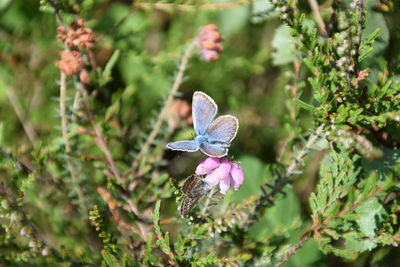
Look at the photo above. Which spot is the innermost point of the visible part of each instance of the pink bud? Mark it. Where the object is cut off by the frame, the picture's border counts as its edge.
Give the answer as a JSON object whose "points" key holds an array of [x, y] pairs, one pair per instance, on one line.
{"points": [[237, 175], [209, 55], [207, 165]]}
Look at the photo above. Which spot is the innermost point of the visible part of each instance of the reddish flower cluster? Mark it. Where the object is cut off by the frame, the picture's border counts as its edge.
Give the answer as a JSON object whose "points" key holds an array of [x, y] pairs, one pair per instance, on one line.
{"points": [[71, 62], [209, 40], [74, 37], [77, 35], [179, 112]]}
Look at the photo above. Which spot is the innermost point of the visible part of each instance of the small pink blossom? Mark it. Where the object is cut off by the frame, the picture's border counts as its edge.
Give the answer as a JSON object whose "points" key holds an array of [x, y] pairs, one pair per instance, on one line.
{"points": [[237, 175], [209, 40], [221, 172]]}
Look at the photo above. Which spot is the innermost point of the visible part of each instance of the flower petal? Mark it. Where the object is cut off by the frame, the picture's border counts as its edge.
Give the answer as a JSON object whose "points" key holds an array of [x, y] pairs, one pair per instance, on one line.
{"points": [[211, 180], [237, 175], [207, 165], [225, 184], [219, 174]]}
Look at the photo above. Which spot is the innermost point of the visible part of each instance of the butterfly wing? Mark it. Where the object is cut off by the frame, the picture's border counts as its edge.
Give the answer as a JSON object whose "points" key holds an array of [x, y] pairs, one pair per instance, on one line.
{"points": [[222, 130], [193, 190], [215, 150], [187, 205], [195, 186], [204, 110], [187, 146]]}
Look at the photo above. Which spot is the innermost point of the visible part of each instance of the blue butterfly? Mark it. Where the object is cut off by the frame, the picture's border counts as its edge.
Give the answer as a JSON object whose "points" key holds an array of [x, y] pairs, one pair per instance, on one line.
{"points": [[213, 136]]}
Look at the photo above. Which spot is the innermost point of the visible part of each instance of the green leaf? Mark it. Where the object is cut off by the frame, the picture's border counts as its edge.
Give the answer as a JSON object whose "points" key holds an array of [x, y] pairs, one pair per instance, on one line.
{"points": [[282, 42], [110, 259], [360, 245], [370, 213], [321, 144], [110, 65], [376, 20], [156, 218], [385, 164], [306, 106]]}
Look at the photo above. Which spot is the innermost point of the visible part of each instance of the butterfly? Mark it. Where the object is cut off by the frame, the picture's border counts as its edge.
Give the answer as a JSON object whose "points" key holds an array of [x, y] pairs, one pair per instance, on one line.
{"points": [[213, 137], [193, 190]]}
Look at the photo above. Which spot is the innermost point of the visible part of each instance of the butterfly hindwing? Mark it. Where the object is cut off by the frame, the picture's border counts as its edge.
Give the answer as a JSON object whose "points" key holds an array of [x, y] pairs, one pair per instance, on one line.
{"points": [[193, 190], [187, 205], [214, 150], [223, 129]]}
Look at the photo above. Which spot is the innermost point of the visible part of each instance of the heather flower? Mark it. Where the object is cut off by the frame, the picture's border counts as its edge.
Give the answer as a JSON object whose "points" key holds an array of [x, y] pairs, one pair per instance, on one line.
{"points": [[76, 35], [221, 172], [179, 114], [209, 42], [71, 62]]}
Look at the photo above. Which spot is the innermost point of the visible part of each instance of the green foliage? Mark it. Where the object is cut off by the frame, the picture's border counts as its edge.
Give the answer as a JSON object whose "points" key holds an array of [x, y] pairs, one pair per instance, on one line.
{"points": [[350, 206], [85, 179]]}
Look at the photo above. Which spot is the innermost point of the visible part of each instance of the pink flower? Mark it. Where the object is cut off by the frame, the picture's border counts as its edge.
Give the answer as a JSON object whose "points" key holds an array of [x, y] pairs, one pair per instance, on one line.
{"points": [[209, 40], [221, 172]]}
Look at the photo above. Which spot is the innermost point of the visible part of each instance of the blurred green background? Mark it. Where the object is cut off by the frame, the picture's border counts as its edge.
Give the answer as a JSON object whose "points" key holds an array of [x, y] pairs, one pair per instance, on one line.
{"points": [[253, 80]]}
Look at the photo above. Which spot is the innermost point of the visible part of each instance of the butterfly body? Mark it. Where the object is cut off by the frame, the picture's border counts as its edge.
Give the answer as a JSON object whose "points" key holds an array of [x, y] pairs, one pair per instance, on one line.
{"points": [[213, 136]]}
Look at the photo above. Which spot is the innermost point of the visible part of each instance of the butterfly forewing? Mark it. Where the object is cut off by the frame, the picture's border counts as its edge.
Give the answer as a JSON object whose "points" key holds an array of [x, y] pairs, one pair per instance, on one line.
{"points": [[204, 110], [187, 146], [193, 190], [223, 129], [195, 186]]}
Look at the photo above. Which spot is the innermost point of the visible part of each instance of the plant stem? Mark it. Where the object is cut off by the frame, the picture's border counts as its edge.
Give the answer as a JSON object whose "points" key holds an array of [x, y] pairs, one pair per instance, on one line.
{"points": [[28, 128], [318, 18], [164, 111], [68, 148], [294, 249], [188, 7], [204, 209], [101, 141]]}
